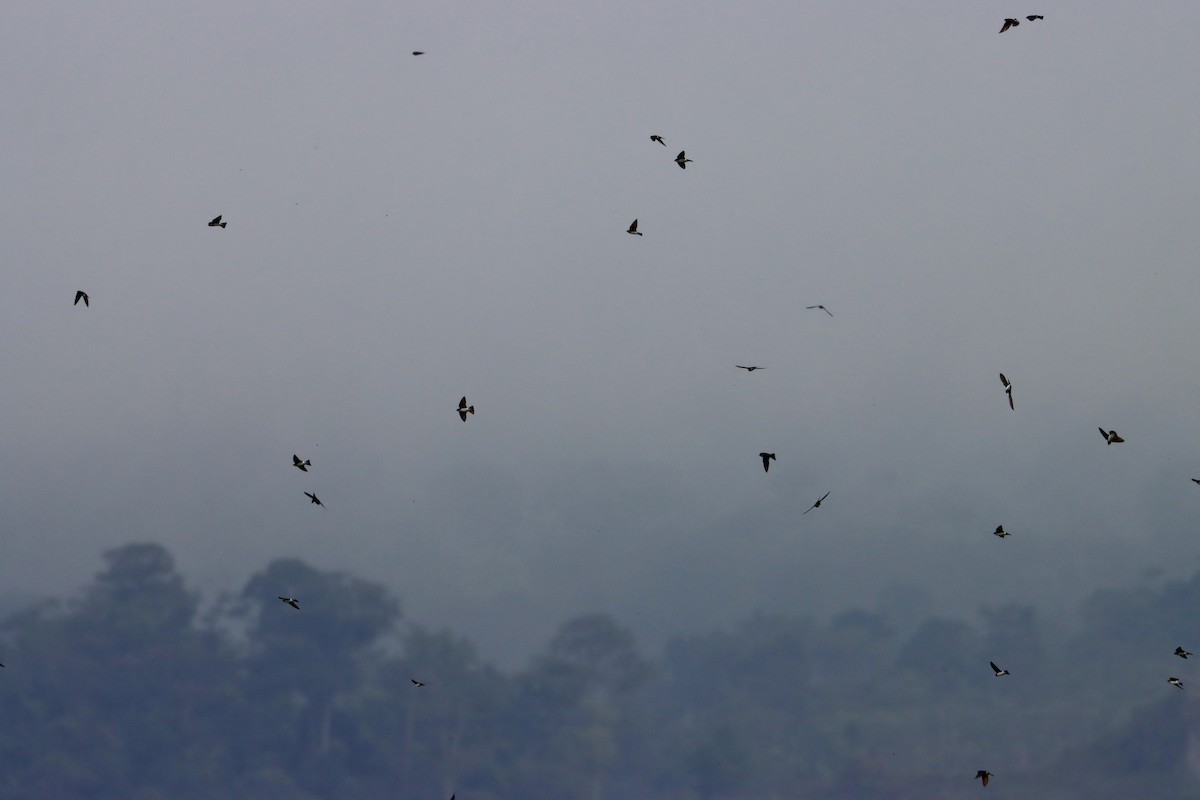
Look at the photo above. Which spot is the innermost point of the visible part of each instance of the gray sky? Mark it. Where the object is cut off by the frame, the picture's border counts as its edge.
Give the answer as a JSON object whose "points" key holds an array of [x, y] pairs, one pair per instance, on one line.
{"points": [[403, 230]]}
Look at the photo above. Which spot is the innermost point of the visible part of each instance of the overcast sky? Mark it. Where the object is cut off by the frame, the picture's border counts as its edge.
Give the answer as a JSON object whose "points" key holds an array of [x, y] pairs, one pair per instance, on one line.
{"points": [[405, 230]]}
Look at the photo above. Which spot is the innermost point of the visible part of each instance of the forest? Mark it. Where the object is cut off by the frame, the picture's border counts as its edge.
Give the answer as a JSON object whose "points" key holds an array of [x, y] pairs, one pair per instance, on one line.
{"points": [[139, 688]]}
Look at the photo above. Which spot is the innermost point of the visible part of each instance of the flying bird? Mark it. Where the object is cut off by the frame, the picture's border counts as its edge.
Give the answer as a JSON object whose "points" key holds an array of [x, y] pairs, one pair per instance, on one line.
{"points": [[1195, 480], [823, 308], [656, 138], [633, 229], [767, 458], [81, 295], [818, 503], [997, 670], [416, 682], [682, 161], [1000, 532], [1111, 436], [1007, 390], [216, 223], [313, 498], [1175, 682], [1009, 23], [418, 52], [464, 409], [1032, 17], [983, 775], [751, 369], [300, 465], [1179, 651], [291, 601]]}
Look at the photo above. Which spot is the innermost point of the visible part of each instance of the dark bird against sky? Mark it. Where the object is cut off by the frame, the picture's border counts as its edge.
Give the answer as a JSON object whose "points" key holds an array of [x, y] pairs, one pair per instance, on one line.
{"points": [[751, 369], [1179, 651], [1111, 436], [766, 457], [818, 503], [1000, 532], [823, 308], [682, 160], [81, 296], [1009, 23], [984, 776], [464, 409], [1032, 17], [313, 498], [1007, 390], [997, 670], [291, 601], [300, 465], [656, 138], [416, 682], [633, 229], [1175, 682], [216, 222]]}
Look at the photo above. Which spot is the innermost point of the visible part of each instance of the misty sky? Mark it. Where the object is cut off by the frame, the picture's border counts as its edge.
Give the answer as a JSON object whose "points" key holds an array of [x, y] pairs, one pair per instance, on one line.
{"points": [[405, 230]]}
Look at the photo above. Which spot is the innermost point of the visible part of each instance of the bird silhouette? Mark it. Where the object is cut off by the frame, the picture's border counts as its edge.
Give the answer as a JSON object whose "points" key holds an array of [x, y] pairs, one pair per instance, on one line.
{"points": [[983, 775], [1032, 17], [633, 229], [767, 458], [997, 670], [300, 465], [464, 409], [656, 138], [418, 52], [291, 601], [682, 160], [1007, 390], [81, 295], [1009, 23], [314, 499], [751, 369], [1179, 651], [1000, 532], [1111, 436], [823, 308], [216, 223], [416, 682], [817, 504], [1175, 682]]}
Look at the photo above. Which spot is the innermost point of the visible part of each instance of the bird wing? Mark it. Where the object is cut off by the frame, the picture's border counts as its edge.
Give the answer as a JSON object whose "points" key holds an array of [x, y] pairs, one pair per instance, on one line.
{"points": [[1008, 23], [463, 403], [995, 669], [216, 219], [826, 310], [1104, 433], [1004, 380], [822, 500], [1010, 400], [633, 226], [462, 414], [296, 460]]}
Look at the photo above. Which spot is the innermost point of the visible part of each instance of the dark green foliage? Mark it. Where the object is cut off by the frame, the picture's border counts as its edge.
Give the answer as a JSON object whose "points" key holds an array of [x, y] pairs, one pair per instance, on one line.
{"points": [[126, 693]]}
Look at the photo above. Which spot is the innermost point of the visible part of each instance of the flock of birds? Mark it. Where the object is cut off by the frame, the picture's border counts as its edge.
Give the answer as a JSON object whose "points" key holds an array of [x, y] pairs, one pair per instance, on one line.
{"points": [[464, 409]]}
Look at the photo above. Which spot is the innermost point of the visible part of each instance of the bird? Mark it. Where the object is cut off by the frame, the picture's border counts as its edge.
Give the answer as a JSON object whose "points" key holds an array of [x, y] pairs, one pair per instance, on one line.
{"points": [[1111, 436], [216, 223], [997, 670], [818, 503], [314, 499], [983, 775], [767, 458], [1007, 390], [682, 161], [416, 682], [291, 601], [823, 308], [1175, 682], [1179, 651], [1032, 17], [751, 369], [633, 229], [1000, 532], [300, 465], [1195, 480], [418, 52], [656, 138], [464, 409], [1009, 23], [81, 295]]}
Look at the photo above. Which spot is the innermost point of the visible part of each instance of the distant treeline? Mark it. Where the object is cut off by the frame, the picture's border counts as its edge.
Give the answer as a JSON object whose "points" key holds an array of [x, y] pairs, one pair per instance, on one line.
{"points": [[128, 693]]}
